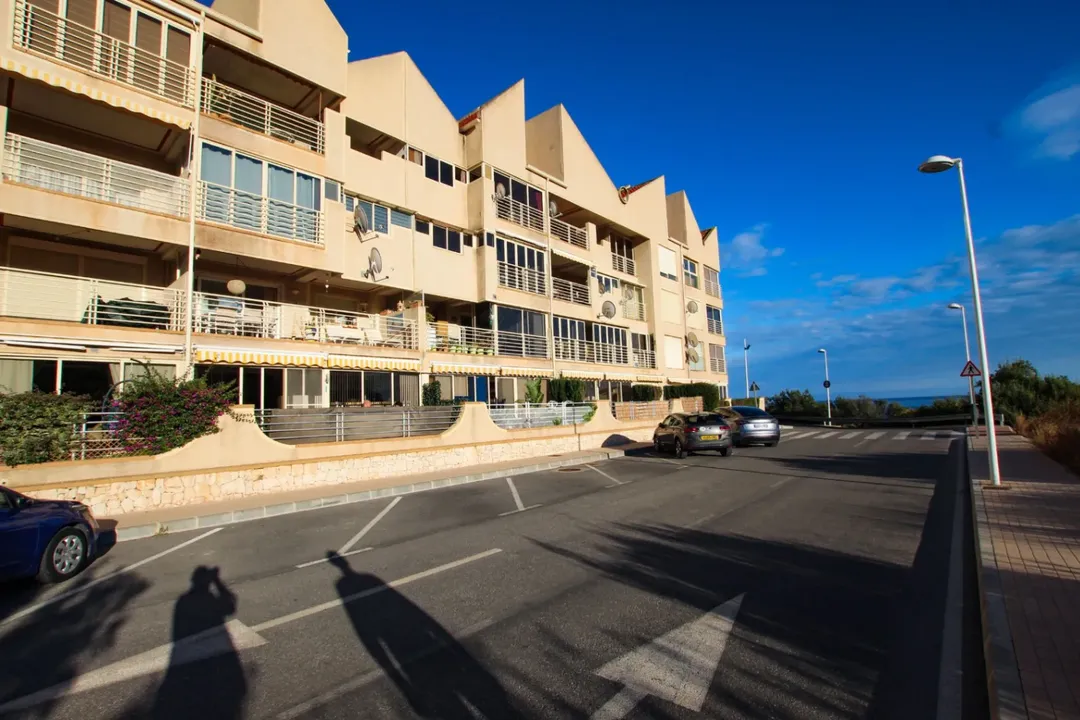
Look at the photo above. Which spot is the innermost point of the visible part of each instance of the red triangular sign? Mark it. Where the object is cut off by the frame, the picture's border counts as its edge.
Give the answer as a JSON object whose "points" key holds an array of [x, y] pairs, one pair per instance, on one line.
{"points": [[970, 370]]}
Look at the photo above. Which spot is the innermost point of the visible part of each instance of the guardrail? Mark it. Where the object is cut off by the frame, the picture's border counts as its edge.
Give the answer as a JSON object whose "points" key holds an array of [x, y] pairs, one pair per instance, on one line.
{"points": [[519, 213], [878, 422], [526, 415], [522, 278], [29, 161], [570, 291], [254, 113], [522, 345], [46, 33], [623, 264], [247, 211], [319, 425], [451, 338], [644, 358], [570, 233], [590, 351], [633, 310]]}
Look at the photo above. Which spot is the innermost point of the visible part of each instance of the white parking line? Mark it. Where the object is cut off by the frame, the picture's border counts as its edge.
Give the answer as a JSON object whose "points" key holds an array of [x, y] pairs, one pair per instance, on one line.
{"points": [[876, 435], [326, 559], [929, 436], [103, 578], [612, 478], [829, 434], [848, 436], [808, 435], [517, 500], [364, 530], [902, 435]]}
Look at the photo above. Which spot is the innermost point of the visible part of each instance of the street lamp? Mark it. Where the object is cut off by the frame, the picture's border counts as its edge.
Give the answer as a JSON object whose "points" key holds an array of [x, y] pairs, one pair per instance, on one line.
{"points": [[941, 163], [967, 351], [746, 364], [828, 396]]}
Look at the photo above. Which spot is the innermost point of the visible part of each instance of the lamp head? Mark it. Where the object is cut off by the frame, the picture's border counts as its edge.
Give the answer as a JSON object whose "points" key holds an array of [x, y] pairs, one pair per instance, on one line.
{"points": [[956, 306], [937, 163], [821, 350]]}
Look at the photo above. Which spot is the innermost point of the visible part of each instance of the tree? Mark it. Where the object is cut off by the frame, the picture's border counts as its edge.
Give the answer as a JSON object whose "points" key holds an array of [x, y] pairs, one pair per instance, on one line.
{"points": [[534, 391], [794, 402], [1020, 390]]}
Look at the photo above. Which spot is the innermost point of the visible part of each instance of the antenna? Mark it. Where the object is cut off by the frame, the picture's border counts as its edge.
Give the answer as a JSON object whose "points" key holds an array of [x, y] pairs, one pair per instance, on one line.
{"points": [[691, 339], [500, 190], [628, 293], [608, 309], [692, 307], [692, 355], [361, 223], [374, 266], [553, 209]]}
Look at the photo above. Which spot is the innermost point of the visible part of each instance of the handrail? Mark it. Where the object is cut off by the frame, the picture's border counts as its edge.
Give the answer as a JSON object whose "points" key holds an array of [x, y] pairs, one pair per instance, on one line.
{"points": [[519, 213], [570, 233], [623, 264], [261, 116], [590, 351], [570, 291], [522, 278], [229, 206]]}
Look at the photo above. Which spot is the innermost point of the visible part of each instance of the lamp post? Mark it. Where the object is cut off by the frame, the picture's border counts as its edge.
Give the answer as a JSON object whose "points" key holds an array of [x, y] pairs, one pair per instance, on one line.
{"points": [[941, 163], [828, 385], [967, 351], [746, 364]]}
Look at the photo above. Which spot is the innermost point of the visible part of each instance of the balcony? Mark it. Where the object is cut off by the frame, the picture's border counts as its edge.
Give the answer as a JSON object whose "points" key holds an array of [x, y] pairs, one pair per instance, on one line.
{"points": [[59, 169], [239, 209], [644, 359], [588, 351], [521, 345], [570, 233], [258, 115], [244, 317], [46, 33], [88, 301], [716, 327], [570, 291], [460, 339], [623, 264], [521, 278], [519, 213], [633, 310]]}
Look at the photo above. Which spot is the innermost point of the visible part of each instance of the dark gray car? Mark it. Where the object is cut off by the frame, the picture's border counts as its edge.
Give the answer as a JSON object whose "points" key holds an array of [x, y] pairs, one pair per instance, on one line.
{"points": [[751, 425], [690, 432]]}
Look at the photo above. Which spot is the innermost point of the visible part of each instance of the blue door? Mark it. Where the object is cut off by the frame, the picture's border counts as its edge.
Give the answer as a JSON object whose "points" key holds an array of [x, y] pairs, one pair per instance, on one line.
{"points": [[481, 393]]}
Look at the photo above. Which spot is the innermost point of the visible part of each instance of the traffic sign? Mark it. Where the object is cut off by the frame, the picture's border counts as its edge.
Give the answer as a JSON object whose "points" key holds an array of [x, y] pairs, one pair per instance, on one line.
{"points": [[970, 370], [826, 384], [754, 387]]}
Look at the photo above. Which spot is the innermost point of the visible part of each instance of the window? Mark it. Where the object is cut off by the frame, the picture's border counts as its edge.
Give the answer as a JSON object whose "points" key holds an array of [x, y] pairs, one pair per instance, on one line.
{"points": [[640, 341], [431, 168], [690, 272], [607, 284], [712, 281], [439, 236], [521, 332], [446, 173], [522, 192], [667, 263], [697, 360], [717, 361], [568, 328], [443, 237], [423, 227], [673, 352], [401, 219], [415, 156], [608, 335], [467, 240], [476, 173], [622, 247], [333, 190], [453, 241], [490, 238], [382, 219], [520, 255], [716, 322], [460, 176]]}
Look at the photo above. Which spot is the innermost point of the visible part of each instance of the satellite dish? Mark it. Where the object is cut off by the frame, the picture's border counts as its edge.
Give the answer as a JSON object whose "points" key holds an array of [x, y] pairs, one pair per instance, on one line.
{"points": [[624, 194], [236, 287], [500, 190], [691, 355], [691, 339], [361, 222], [628, 292], [375, 265], [608, 309], [553, 209], [692, 307], [604, 289]]}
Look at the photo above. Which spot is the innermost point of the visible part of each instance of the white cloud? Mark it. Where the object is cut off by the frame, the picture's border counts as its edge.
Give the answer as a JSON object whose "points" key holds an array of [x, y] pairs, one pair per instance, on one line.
{"points": [[747, 253], [1054, 121]]}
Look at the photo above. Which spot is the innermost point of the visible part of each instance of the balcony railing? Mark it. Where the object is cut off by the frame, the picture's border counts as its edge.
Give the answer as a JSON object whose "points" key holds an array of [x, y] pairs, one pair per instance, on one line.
{"points": [[46, 33], [447, 337], [712, 286], [716, 327], [519, 213], [59, 169], [245, 317], [48, 296], [570, 291], [521, 278], [247, 211], [644, 358], [570, 233], [522, 345], [623, 264], [633, 310], [253, 113], [589, 351]]}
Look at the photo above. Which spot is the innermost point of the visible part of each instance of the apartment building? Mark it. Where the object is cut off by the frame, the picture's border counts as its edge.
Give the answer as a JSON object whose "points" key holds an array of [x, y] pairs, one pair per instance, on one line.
{"points": [[220, 187]]}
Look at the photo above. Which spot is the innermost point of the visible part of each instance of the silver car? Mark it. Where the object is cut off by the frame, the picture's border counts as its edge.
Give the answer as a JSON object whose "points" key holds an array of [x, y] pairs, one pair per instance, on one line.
{"points": [[751, 425]]}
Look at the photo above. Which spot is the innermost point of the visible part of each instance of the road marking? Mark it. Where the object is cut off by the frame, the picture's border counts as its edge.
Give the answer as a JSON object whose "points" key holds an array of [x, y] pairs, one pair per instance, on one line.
{"points": [[950, 674], [829, 434], [364, 530], [809, 434], [876, 435], [929, 436], [517, 501], [848, 436], [218, 640], [677, 667], [326, 559], [315, 609], [902, 435], [103, 578], [612, 478]]}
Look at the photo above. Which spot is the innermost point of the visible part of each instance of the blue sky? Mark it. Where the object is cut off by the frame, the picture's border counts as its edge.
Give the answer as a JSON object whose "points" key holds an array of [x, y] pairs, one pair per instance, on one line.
{"points": [[796, 128]]}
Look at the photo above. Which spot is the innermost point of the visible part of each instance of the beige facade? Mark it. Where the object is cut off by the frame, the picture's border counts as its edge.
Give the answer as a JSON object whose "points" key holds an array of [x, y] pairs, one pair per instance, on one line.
{"points": [[350, 236]]}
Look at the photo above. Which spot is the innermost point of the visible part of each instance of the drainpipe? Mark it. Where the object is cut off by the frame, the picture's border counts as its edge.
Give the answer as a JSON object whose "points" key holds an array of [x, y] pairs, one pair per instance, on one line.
{"points": [[194, 165]]}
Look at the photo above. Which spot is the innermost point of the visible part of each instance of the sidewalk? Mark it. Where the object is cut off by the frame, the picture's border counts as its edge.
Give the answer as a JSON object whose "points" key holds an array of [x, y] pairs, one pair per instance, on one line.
{"points": [[1029, 545], [132, 526]]}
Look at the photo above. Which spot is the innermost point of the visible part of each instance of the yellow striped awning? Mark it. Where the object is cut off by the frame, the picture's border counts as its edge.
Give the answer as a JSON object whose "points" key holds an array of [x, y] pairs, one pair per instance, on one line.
{"points": [[650, 379], [678, 380], [527, 372], [455, 369], [353, 362], [555, 250], [620, 377], [583, 374], [72, 85], [254, 357]]}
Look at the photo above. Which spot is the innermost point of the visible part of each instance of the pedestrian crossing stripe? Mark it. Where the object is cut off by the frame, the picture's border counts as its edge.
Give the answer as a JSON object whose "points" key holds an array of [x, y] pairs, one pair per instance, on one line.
{"points": [[902, 435], [877, 435], [849, 435], [830, 434]]}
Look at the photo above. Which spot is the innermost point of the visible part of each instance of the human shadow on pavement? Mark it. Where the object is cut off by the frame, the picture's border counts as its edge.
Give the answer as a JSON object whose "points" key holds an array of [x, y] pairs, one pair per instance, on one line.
{"points": [[435, 674]]}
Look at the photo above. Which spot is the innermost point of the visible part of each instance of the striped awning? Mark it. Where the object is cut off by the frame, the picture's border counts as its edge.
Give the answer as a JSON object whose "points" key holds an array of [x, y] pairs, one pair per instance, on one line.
{"points": [[556, 250], [620, 377], [526, 372], [353, 362], [678, 380], [254, 357], [70, 84], [456, 369], [583, 374], [650, 379]]}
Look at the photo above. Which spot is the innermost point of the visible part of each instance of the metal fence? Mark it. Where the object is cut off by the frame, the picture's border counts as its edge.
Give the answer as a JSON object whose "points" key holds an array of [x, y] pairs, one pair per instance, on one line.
{"points": [[527, 415], [96, 437], [320, 425], [254, 113]]}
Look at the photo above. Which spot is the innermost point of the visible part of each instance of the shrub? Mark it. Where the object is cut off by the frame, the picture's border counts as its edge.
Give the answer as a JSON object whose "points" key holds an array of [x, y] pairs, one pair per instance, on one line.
{"points": [[708, 392], [569, 390], [37, 427], [646, 393], [1020, 390], [432, 394], [534, 391], [795, 402], [1056, 432], [590, 414]]}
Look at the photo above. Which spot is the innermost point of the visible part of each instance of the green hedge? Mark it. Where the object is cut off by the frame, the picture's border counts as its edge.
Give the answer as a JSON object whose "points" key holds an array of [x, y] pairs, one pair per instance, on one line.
{"points": [[566, 390], [646, 393], [37, 427], [708, 392]]}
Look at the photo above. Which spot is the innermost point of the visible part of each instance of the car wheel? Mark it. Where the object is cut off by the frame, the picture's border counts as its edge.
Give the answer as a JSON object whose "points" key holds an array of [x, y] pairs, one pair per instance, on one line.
{"points": [[770, 444], [727, 451], [64, 557], [656, 445], [679, 451]]}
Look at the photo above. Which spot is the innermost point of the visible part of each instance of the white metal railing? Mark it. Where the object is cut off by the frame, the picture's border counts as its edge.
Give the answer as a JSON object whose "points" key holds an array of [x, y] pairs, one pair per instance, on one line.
{"points": [[48, 296], [261, 116], [633, 310], [644, 358], [519, 213], [260, 214], [717, 359], [623, 264], [245, 317], [98, 436], [521, 345], [451, 338], [46, 33], [570, 291], [589, 351], [60, 169], [529, 415], [298, 426], [712, 285], [522, 278], [570, 233], [716, 327]]}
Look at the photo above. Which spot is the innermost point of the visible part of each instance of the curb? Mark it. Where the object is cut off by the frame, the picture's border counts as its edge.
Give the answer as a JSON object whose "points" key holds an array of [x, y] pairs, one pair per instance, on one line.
{"points": [[1006, 693], [212, 520]]}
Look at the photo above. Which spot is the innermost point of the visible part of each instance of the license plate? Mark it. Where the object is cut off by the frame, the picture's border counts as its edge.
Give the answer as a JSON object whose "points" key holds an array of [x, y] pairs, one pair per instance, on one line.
{"points": [[710, 437]]}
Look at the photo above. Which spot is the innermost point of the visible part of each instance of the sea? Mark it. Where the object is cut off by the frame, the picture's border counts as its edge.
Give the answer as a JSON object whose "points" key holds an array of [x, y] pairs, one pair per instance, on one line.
{"points": [[914, 402]]}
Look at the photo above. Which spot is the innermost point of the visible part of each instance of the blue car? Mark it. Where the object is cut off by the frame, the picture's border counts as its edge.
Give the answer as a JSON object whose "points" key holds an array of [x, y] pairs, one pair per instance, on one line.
{"points": [[52, 539]]}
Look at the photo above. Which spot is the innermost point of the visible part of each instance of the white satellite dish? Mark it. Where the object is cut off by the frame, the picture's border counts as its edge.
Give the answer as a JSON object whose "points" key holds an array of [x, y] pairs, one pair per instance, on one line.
{"points": [[236, 287], [691, 355], [608, 309], [361, 222], [553, 209], [375, 265], [628, 293], [692, 307], [500, 190], [691, 339]]}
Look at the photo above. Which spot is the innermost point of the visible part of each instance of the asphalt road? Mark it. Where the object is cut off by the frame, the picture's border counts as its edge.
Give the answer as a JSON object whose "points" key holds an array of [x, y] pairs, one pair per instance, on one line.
{"points": [[803, 581]]}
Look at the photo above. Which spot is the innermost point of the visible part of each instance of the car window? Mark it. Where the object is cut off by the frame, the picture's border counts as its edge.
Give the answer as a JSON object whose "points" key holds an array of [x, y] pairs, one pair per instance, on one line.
{"points": [[751, 412], [666, 422], [5, 501], [705, 419]]}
